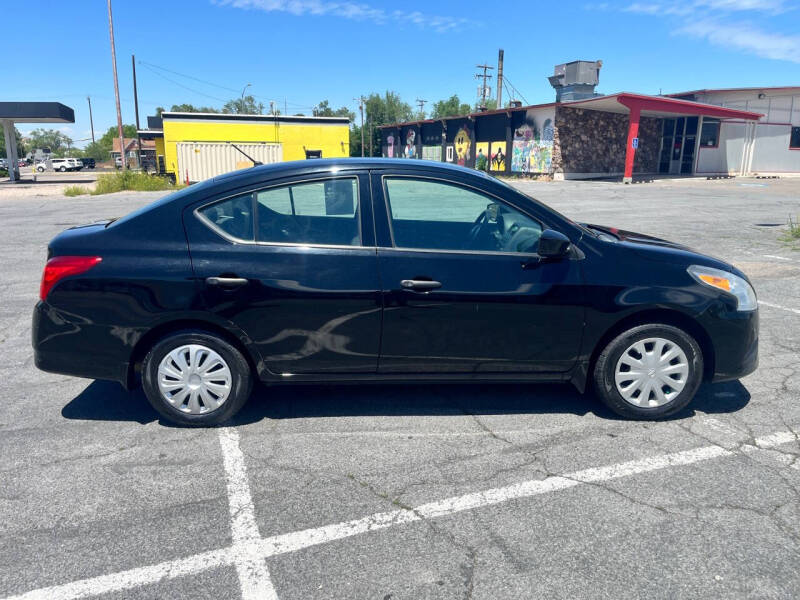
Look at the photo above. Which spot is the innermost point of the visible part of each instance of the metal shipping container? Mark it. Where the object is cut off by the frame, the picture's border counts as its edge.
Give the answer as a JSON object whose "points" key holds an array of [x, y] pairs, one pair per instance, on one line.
{"points": [[204, 160]]}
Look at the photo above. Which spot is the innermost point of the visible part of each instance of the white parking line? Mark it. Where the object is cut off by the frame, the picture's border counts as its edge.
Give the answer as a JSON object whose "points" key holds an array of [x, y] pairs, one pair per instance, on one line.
{"points": [[251, 567], [775, 256], [778, 306], [256, 551]]}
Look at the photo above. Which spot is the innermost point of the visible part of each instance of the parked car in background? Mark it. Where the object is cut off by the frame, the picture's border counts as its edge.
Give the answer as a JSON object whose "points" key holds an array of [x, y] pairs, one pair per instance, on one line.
{"points": [[118, 162], [377, 270], [40, 166], [62, 164], [3, 163], [89, 163], [77, 164]]}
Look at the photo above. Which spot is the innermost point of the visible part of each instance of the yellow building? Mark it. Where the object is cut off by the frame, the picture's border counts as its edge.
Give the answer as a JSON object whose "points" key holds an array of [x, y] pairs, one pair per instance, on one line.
{"points": [[197, 146]]}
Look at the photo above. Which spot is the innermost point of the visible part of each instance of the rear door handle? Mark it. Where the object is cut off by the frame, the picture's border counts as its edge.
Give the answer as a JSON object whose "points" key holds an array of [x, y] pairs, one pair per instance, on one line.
{"points": [[229, 282], [420, 285]]}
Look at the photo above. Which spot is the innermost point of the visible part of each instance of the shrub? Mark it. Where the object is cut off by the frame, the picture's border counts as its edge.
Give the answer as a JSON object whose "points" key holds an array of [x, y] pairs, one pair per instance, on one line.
{"points": [[792, 232], [76, 190], [131, 180]]}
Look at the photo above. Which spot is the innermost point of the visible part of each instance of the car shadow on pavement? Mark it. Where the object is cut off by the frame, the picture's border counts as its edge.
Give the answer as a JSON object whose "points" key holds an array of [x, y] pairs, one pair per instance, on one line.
{"points": [[108, 401]]}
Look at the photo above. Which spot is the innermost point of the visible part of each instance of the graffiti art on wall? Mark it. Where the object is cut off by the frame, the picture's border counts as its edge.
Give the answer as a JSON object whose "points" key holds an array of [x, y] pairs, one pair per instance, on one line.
{"points": [[497, 156], [450, 153], [532, 152], [482, 156], [390, 146], [411, 148], [432, 153], [462, 145]]}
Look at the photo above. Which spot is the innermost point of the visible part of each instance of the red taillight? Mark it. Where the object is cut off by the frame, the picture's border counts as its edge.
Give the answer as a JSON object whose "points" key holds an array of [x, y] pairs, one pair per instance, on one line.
{"points": [[59, 267]]}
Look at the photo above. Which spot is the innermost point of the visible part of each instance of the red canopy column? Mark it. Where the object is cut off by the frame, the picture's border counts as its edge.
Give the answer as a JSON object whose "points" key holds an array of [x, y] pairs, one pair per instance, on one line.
{"points": [[630, 151]]}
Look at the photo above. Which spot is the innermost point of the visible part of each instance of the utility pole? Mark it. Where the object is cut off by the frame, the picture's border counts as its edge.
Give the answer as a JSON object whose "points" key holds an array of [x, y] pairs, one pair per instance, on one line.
{"points": [[483, 76], [500, 79], [136, 107], [116, 87], [421, 104], [91, 121], [361, 108]]}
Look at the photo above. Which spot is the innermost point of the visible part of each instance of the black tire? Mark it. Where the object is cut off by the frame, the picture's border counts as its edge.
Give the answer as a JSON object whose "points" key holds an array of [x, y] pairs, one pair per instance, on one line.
{"points": [[241, 378], [62, 169], [605, 367]]}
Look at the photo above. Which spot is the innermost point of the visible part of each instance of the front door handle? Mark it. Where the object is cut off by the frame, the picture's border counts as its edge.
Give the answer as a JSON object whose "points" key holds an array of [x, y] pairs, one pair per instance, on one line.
{"points": [[229, 282], [420, 285]]}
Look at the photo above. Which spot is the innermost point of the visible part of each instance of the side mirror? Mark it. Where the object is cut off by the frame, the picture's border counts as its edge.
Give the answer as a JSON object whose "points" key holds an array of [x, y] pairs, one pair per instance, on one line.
{"points": [[553, 244]]}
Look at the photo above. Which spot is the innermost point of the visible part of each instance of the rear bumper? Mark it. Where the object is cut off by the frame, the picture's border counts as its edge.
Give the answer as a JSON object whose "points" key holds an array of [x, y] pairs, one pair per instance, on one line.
{"points": [[62, 345]]}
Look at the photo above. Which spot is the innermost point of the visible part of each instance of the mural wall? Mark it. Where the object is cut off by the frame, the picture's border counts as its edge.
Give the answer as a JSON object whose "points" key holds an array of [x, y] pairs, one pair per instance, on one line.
{"points": [[463, 145], [482, 156], [432, 153], [532, 146], [390, 143], [497, 156], [410, 148]]}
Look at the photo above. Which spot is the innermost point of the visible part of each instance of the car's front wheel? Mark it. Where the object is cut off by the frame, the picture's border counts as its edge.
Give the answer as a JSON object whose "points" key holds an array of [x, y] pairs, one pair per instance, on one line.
{"points": [[196, 378], [649, 371]]}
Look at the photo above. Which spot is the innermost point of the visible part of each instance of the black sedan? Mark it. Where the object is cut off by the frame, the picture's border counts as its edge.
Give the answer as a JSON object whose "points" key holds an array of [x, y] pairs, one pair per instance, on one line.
{"points": [[383, 270]]}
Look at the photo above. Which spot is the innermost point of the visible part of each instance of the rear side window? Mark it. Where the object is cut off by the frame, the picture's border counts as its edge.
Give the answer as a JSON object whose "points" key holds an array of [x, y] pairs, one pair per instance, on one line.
{"points": [[321, 212], [233, 216]]}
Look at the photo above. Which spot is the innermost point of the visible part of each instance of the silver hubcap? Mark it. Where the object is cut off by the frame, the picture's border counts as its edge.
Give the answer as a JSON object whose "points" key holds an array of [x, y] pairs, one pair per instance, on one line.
{"points": [[194, 379], [651, 372]]}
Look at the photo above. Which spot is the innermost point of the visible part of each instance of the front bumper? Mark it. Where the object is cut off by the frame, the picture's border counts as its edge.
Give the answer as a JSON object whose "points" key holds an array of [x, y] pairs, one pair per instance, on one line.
{"points": [[734, 336]]}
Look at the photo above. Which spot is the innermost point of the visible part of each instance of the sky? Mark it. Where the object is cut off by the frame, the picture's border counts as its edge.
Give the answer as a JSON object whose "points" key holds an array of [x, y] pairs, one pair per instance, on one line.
{"points": [[299, 52]]}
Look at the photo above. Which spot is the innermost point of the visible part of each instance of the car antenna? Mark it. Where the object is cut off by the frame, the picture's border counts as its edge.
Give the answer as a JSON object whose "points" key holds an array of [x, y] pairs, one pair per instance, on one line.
{"points": [[250, 158]]}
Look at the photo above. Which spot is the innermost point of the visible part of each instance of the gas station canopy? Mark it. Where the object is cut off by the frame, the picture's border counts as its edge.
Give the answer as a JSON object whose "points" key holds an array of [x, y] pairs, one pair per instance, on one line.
{"points": [[29, 112]]}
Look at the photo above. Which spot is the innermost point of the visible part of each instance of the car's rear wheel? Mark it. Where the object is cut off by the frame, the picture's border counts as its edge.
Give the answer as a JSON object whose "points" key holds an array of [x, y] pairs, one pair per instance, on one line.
{"points": [[649, 371], [196, 378]]}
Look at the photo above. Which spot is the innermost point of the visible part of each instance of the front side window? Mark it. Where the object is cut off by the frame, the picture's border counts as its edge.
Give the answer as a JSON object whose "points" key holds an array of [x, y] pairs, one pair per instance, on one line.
{"points": [[233, 216], [316, 212], [435, 215]]}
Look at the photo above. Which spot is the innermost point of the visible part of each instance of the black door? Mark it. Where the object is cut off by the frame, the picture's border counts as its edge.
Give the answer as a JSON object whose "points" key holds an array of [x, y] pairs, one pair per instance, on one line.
{"points": [[464, 290], [294, 267]]}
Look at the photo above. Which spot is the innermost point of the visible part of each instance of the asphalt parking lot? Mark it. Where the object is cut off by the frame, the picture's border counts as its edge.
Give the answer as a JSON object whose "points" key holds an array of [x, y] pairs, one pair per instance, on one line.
{"points": [[413, 491]]}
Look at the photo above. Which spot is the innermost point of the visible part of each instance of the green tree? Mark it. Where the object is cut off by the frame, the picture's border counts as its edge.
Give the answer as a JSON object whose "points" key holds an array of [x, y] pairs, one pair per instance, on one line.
{"points": [[452, 107], [97, 151], [58, 142], [323, 109], [21, 148], [244, 106], [382, 110], [159, 110], [193, 108]]}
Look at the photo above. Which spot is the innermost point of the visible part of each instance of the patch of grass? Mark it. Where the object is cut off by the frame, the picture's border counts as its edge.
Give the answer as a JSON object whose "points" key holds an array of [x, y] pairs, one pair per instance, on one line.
{"points": [[131, 180], [76, 190], [792, 234]]}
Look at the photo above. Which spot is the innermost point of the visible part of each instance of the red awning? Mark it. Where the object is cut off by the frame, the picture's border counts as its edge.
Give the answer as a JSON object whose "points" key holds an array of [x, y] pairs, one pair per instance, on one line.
{"points": [[660, 106]]}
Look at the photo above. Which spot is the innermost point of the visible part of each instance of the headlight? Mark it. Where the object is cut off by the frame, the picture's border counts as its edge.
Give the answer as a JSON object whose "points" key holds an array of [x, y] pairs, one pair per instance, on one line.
{"points": [[727, 282]]}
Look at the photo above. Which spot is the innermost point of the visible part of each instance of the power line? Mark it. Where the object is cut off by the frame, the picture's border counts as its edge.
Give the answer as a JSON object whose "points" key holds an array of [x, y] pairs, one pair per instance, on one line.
{"points": [[507, 82], [421, 103], [142, 62], [186, 87], [152, 67]]}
